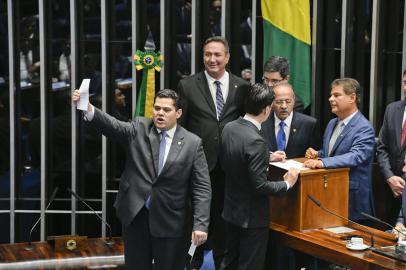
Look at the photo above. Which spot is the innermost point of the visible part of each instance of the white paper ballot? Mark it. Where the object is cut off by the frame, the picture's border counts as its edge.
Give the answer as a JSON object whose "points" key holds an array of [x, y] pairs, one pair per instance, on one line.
{"points": [[192, 249], [83, 102], [339, 229], [290, 163]]}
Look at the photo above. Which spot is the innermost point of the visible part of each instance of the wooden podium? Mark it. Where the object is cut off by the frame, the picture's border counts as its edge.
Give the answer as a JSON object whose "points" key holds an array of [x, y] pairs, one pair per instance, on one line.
{"points": [[297, 212]]}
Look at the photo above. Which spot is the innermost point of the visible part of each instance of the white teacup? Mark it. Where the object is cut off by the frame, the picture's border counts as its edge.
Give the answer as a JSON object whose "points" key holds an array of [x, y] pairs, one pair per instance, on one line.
{"points": [[357, 241]]}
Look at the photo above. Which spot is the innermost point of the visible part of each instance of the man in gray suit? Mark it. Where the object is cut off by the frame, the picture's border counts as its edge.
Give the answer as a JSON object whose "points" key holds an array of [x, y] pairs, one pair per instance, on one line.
{"points": [[165, 183], [391, 149], [212, 98], [244, 157]]}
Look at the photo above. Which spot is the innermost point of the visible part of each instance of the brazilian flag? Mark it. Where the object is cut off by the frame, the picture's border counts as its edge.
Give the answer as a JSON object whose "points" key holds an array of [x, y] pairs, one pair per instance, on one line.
{"points": [[287, 34]]}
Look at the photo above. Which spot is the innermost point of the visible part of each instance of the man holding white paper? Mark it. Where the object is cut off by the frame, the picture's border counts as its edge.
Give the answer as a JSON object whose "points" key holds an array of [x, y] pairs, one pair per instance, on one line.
{"points": [[165, 183]]}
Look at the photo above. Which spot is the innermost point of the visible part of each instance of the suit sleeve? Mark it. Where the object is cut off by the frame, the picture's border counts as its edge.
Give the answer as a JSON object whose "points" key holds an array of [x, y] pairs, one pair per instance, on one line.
{"points": [[201, 191], [184, 101], [382, 148], [111, 127], [362, 149], [257, 155]]}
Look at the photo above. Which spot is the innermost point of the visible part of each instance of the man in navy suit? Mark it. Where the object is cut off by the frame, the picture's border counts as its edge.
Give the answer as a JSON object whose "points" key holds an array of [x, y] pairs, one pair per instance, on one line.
{"points": [[165, 184], [348, 141], [299, 131], [391, 150]]}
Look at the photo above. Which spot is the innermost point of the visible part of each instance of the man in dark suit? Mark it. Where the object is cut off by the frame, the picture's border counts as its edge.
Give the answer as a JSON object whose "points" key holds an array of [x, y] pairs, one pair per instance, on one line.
{"points": [[299, 131], [212, 98], [164, 180], [348, 141], [245, 160], [391, 149], [276, 70]]}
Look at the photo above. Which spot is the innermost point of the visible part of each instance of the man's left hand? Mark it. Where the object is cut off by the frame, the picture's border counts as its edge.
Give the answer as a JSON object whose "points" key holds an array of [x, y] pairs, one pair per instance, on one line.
{"points": [[199, 237]]}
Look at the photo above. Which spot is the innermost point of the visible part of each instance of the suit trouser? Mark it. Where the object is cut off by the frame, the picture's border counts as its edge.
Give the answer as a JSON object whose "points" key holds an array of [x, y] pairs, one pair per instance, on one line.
{"points": [[216, 237], [145, 252], [245, 248]]}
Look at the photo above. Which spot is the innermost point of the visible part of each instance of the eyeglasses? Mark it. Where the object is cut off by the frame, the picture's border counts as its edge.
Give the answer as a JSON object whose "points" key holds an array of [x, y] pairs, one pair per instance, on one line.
{"points": [[288, 101], [271, 81]]}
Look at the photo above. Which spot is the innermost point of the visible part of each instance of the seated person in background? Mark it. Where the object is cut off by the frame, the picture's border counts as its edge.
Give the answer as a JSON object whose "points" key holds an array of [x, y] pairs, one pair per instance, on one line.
{"points": [[287, 133], [348, 141]]}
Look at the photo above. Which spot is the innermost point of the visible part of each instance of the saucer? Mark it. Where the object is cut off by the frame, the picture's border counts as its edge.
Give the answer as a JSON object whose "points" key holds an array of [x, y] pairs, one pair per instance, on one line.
{"points": [[358, 248]]}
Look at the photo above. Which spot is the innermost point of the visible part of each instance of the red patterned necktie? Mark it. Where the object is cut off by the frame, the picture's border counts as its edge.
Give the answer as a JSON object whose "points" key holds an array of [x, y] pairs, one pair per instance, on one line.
{"points": [[402, 139]]}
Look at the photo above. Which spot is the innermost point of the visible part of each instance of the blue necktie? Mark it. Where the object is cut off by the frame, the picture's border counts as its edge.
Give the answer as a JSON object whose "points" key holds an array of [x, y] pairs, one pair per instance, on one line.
{"points": [[219, 99], [281, 137], [162, 147]]}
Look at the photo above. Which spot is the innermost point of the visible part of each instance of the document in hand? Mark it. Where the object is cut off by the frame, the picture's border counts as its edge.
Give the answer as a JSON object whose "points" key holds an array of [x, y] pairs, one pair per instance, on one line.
{"points": [[83, 102]]}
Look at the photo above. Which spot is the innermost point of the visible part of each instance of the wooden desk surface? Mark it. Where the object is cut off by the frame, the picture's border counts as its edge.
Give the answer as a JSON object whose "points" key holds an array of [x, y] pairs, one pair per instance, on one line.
{"points": [[96, 256], [330, 247]]}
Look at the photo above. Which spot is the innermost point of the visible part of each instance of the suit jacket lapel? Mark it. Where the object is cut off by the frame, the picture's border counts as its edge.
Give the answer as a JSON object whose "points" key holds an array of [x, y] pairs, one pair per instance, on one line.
{"points": [[272, 138], [345, 131], [176, 147], [204, 88], [327, 138], [294, 127], [154, 144], [398, 121]]}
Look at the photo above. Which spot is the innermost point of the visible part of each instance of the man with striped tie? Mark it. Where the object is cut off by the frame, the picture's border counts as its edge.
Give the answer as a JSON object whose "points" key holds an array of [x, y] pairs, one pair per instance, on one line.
{"points": [[212, 98]]}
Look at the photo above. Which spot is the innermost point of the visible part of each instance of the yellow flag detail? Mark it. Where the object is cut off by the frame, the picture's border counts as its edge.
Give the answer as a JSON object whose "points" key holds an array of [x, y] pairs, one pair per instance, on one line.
{"points": [[290, 16]]}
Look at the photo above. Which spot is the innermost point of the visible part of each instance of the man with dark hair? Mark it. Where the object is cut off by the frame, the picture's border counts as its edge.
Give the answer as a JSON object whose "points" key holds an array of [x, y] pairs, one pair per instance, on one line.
{"points": [[276, 70], [212, 98], [391, 152], [348, 141], [288, 133], [164, 183], [245, 160]]}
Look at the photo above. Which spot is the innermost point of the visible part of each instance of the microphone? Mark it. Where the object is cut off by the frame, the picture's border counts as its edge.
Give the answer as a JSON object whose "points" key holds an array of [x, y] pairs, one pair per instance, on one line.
{"points": [[109, 242], [382, 222], [51, 199], [365, 229]]}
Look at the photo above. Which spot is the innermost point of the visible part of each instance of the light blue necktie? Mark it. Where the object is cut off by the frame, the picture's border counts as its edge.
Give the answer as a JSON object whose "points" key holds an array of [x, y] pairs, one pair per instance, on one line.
{"points": [[162, 148], [281, 137], [219, 99]]}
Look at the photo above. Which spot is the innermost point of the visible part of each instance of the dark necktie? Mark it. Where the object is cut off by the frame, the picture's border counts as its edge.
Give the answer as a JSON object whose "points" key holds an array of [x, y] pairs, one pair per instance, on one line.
{"points": [[162, 147], [281, 137], [402, 139], [219, 99]]}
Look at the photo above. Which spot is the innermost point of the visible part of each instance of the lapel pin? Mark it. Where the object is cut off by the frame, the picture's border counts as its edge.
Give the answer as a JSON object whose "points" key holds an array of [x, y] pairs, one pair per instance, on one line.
{"points": [[235, 86], [179, 143], [294, 130]]}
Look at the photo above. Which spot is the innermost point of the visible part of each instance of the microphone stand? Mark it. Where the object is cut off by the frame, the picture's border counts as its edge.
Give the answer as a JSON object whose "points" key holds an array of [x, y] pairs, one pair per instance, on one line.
{"points": [[51, 199], [383, 222], [364, 228], [110, 241]]}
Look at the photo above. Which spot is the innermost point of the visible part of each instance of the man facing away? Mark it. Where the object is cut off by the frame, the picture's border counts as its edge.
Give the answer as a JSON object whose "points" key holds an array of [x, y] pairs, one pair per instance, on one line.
{"points": [[212, 98], [244, 157], [165, 182], [348, 141], [288, 133]]}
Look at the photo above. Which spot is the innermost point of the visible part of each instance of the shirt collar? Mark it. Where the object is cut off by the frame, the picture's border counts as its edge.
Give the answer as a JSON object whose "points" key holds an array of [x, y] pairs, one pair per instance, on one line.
{"points": [[288, 120], [170, 132], [348, 118], [211, 80], [252, 120]]}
